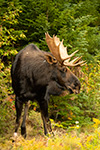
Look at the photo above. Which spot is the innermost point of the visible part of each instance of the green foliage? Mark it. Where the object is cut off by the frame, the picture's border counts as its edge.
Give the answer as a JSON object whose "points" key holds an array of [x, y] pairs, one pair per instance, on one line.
{"points": [[7, 108], [7, 113], [9, 34], [74, 22]]}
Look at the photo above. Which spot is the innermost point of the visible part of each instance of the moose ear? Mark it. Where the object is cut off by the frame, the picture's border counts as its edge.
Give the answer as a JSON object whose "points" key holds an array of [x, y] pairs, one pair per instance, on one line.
{"points": [[51, 59]]}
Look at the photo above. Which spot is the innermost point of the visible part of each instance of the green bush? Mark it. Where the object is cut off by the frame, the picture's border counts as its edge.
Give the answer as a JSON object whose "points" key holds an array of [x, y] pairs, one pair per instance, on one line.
{"points": [[7, 109]]}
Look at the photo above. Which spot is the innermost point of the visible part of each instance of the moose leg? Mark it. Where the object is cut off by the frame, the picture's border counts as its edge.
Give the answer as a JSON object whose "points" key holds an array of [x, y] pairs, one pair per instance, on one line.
{"points": [[23, 125], [45, 118], [19, 107]]}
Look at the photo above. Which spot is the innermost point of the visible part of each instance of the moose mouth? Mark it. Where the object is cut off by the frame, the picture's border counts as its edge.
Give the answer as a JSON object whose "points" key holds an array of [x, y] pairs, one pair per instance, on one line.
{"points": [[71, 91]]}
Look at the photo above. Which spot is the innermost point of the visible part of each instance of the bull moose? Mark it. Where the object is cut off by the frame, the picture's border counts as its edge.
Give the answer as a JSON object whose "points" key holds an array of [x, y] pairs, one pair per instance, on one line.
{"points": [[37, 74]]}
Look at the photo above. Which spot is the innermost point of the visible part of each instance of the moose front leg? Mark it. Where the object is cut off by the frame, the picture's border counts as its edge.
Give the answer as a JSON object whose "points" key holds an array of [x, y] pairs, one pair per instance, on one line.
{"points": [[52, 89], [45, 118]]}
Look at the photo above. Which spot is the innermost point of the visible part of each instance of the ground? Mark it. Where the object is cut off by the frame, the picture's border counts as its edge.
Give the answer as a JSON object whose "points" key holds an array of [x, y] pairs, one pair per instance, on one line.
{"points": [[87, 138]]}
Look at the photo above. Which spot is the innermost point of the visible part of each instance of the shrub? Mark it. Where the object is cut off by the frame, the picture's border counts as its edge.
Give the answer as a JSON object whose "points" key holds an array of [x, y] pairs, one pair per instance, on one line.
{"points": [[7, 108]]}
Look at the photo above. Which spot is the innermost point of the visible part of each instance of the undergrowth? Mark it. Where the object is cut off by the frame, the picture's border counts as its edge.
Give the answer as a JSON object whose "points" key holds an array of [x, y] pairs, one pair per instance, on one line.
{"points": [[73, 140]]}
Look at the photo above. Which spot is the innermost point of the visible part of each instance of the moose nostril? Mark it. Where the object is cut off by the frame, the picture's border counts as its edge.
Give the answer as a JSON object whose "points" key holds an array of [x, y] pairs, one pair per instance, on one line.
{"points": [[77, 92]]}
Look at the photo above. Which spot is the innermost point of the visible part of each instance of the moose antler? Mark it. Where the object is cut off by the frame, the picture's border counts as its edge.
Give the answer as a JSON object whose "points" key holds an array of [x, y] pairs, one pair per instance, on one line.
{"points": [[60, 52]]}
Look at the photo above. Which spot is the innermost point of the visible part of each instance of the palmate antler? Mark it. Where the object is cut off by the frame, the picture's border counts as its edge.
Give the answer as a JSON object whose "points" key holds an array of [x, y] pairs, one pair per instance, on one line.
{"points": [[60, 52]]}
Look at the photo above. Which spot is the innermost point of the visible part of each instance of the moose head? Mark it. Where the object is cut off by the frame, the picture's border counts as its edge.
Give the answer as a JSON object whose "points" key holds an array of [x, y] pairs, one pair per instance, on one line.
{"points": [[60, 53]]}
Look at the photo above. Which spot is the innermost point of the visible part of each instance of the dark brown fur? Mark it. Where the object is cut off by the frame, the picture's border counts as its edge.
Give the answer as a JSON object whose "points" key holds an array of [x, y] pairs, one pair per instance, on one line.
{"points": [[37, 75]]}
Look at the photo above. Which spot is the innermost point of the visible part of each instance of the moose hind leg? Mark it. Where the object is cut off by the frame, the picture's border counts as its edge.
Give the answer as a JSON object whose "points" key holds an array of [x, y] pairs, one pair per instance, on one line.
{"points": [[19, 107], [23, 125], [45, 118]]}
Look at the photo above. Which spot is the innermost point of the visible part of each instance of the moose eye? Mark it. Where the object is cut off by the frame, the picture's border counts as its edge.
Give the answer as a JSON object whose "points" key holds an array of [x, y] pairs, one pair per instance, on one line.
{"points": [[64, 69]]}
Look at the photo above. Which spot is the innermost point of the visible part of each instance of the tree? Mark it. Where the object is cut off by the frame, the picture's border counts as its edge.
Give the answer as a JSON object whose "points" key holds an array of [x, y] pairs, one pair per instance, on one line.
{"points": [[10, 35]]}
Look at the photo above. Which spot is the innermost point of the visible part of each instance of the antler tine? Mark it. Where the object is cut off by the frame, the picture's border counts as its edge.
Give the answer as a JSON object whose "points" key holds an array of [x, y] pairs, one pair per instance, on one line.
{"points": [[71, 55], [56, 40], [75, 62], [80, 63], [63, 51], [83, 63]]}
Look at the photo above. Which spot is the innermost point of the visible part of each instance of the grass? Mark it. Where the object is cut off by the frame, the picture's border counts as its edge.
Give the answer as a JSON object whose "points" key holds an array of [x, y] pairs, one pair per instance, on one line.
{"points": [[87, 138]]}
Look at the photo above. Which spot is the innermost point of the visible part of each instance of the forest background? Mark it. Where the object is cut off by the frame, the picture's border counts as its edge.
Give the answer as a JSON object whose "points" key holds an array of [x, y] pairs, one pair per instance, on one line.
{"points": [[78, 23]]}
